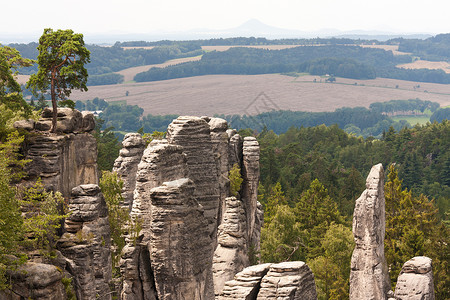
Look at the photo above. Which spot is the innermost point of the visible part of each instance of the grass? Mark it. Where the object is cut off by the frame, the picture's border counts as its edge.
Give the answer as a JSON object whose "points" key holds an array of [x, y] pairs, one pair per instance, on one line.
{"points": [[413, 120]]}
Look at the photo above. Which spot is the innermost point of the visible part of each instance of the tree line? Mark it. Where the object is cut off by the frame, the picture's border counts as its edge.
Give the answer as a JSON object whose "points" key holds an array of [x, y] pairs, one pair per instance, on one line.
{"points": [[436, 48], [339, 60]]}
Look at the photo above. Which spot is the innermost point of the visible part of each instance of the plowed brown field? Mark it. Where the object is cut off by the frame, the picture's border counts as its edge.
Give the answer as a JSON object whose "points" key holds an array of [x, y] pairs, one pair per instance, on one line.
{"points": [[236, 94]]}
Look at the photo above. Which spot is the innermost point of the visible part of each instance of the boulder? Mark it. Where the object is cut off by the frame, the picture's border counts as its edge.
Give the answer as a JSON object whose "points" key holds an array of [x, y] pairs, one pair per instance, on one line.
{"points": [[415, 281]]}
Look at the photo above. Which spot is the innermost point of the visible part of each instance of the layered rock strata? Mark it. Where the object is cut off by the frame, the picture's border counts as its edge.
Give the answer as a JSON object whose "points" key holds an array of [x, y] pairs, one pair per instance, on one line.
{"points": [[230, 256], [220, 149], [126, 165], [415, 281], [87, 243], [160, 162], [289, 280], [246, 284], [369, 277], [180, 247], [193, 134], [62, 161], [200, 151], [250, 172]]}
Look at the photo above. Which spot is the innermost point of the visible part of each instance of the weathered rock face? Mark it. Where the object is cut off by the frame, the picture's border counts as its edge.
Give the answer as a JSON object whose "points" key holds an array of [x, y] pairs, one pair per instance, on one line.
{"points": [[196, 158], [36, 281], [288, 280], [193, 134], [220, 149], [246, 284], [86, 242], [126, 165], [180, 247], [160, 162], [230, 256], [415, 280], [369, 278], [250, 173], [62, 161]]}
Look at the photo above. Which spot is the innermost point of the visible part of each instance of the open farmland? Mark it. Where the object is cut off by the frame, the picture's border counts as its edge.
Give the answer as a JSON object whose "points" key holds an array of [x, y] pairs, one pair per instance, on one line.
{"points": [[251, 94], [424, 64], [128, 74]]}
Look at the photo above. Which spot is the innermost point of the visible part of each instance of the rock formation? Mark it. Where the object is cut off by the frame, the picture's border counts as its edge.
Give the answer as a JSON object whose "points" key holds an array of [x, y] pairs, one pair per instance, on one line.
{"points": [[246, 284], [37, 281], [62, 161], [415, 280], [87, 242], [180, 247], [126, 165], [199, 153], [288, 280], [193, 134], [250, 173], [160, 162], [231, 254], [369, 278], [193, 235]]}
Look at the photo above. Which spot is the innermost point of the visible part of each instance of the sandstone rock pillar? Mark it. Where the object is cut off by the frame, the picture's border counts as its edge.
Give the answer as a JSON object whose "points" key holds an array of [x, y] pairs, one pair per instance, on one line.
{"points": [[193, 134], [180, 246], [369, 278], [249, 193], [126, 165]]}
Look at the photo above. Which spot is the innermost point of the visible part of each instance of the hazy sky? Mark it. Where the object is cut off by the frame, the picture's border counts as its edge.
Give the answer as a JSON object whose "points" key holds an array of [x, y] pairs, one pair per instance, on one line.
{"points": [[143, 16]]}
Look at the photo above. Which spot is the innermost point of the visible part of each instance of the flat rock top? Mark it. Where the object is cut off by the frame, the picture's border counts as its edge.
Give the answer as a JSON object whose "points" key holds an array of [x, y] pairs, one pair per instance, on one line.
{"points": [[418, 265], [255, 270], [288, 265]]}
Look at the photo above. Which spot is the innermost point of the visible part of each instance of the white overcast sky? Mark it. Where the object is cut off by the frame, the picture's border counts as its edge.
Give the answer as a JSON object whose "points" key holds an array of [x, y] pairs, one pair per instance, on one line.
{"points": [[144, 16]]}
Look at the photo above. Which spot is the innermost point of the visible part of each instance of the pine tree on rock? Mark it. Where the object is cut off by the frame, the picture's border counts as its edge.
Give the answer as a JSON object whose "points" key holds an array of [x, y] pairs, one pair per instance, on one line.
{"points": [[61, 60]]}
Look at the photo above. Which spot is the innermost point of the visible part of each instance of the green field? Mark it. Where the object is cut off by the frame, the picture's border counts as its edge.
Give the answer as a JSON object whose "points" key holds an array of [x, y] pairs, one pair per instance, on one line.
{"points": [[413, 120]]}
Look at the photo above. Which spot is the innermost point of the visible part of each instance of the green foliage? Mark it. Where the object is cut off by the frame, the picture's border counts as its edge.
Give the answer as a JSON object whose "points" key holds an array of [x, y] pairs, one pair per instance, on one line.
{"points": [[236, 180], [68, 287], [44, 213], [62, 55], [120, 222], [108, 146], [12, 104], [155, 135], [413, 229], [331, 270], [364, 122], [404, 106], [275, 198], [11, 223], [281, 239], [440, 115]]}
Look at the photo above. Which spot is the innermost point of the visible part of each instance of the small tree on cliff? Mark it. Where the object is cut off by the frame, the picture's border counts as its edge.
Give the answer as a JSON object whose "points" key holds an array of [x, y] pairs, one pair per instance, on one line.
{"points": [[61, 60]]}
